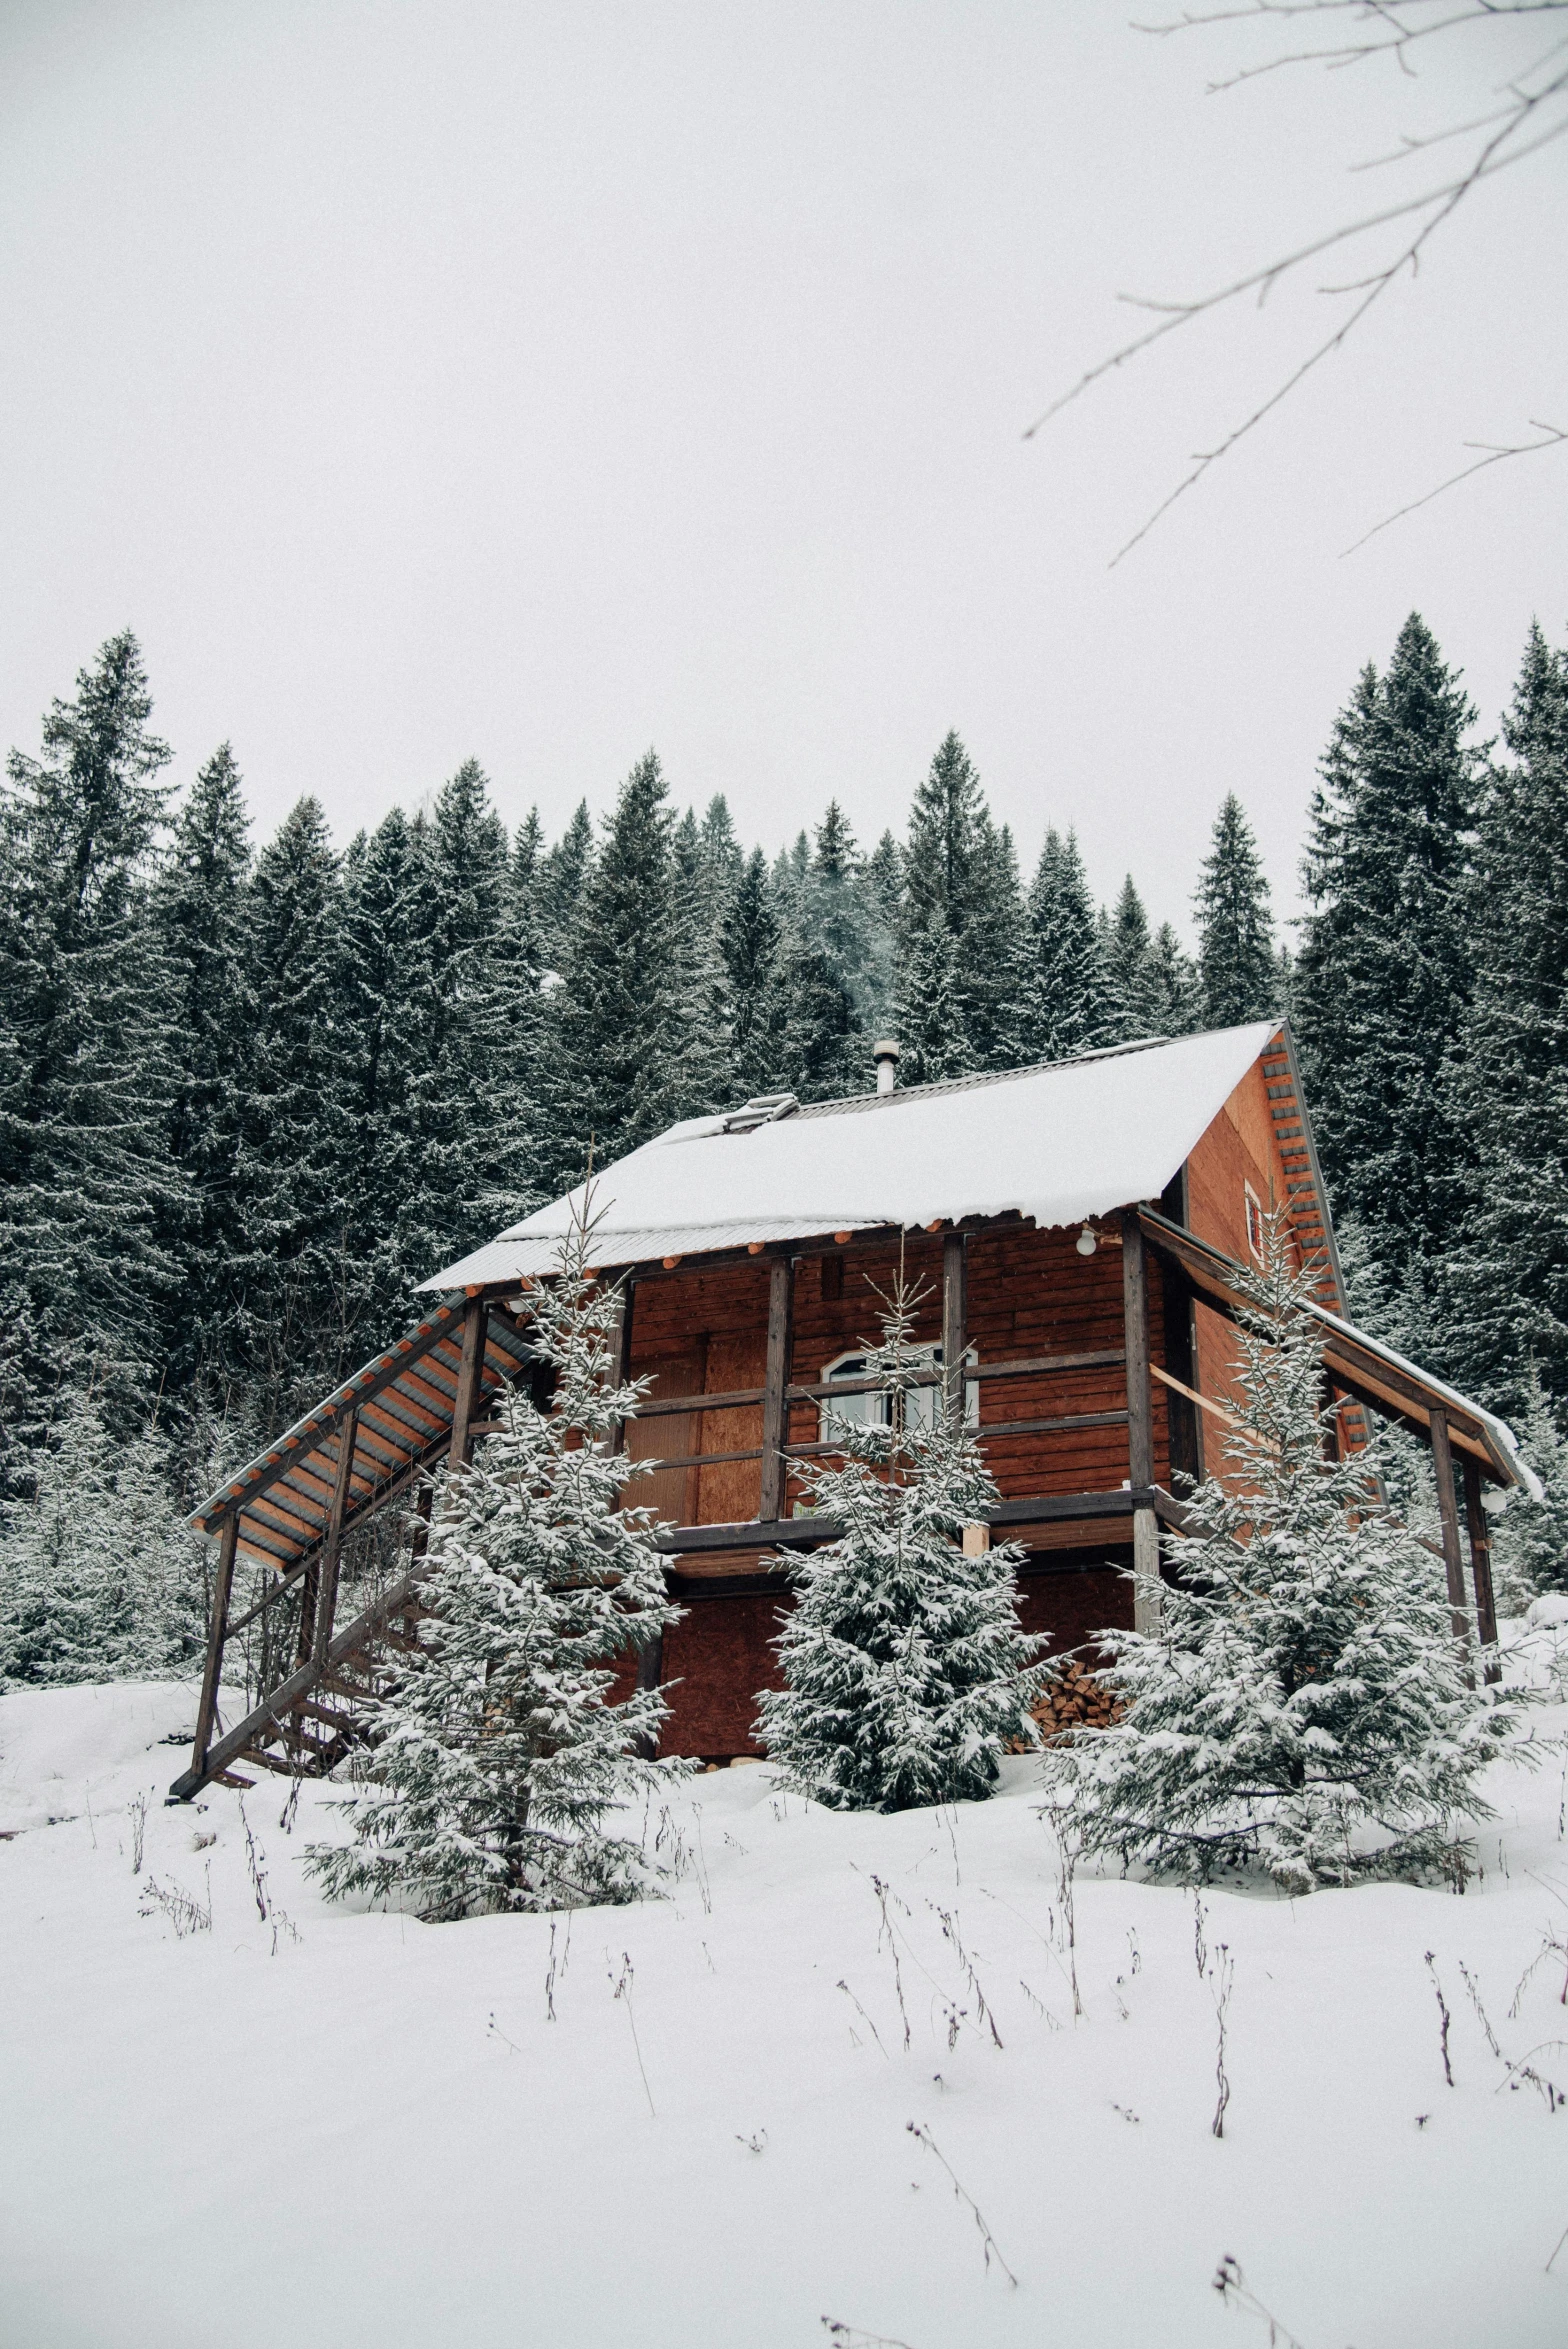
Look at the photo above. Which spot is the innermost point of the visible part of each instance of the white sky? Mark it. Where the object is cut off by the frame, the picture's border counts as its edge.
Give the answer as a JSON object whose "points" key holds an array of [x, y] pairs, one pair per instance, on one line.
{"points": [[542, 382]]}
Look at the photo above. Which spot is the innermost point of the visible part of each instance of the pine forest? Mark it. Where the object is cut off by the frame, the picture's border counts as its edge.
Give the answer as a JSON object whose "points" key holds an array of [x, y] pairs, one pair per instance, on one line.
{"points": [[252, 1091]]}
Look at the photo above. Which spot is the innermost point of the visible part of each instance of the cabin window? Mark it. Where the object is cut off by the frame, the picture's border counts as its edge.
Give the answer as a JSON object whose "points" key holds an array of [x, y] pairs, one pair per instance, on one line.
{"points": [[873, 1410], [1254, 1223]]}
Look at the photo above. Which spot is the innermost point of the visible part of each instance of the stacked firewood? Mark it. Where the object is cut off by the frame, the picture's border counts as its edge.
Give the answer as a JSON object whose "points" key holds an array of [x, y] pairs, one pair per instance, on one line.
{"points": [[1072, 1699]]}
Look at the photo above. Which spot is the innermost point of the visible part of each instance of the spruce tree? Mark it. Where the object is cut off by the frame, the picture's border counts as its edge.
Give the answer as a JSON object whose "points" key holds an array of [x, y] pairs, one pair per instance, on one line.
{"points": [[387, 1041], [1235, 928], [1384, 977], [944, 955], [1062, 990], [997, 954], [1175, 993], [498, 1763], [202, 906], [1304, 1705], [88, 1062], [1133, 1001], [821, 1045], [298, 1270], [563, 881], [836, 918], [630, 1050], [907, 1675], [1506, 1253], [720, 859], [750, 942]]}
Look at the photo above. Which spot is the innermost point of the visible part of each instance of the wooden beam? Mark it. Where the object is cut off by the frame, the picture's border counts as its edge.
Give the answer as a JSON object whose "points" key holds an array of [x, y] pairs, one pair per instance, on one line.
{"points": [[269, 1718], [309, 1437], [327, 1601], [1448, 1512], [775, 1396], [955, 1325], [806, 1533], [470, 1372], [1481, 1571], [1029, 1366], [217, 1633], [1140, 1423]]}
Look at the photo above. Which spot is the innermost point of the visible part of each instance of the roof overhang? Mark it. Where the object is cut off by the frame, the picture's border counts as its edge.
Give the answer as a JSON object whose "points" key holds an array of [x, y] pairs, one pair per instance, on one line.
{"points": [[1360, 1365]]}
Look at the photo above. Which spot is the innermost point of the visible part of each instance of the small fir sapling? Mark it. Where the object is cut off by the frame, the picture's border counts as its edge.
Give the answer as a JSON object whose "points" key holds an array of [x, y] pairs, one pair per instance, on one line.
{"points": [[500, 1757], [1304, 1706], [907, 1674]]}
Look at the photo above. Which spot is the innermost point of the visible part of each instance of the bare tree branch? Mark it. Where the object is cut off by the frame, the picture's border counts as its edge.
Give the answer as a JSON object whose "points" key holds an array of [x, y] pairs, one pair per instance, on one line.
{"points": [[1495, 455], [1399, 25]]}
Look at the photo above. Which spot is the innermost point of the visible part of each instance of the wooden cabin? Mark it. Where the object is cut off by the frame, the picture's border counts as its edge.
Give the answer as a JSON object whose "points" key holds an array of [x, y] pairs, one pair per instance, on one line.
{"points": [[1079, 1229]]}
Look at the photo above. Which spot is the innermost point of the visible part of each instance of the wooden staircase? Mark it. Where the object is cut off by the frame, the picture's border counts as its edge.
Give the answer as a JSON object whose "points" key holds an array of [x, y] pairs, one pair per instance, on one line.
{"points": [[313, 1718]]}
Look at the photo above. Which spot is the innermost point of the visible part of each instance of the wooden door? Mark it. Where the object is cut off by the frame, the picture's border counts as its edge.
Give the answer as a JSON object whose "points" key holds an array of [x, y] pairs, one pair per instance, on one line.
{"points": [[670, 1435]]}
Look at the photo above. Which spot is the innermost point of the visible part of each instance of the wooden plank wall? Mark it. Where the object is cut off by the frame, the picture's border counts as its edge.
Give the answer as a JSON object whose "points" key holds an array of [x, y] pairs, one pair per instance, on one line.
{"points": [[1239, 1148], [1030, 1293]]}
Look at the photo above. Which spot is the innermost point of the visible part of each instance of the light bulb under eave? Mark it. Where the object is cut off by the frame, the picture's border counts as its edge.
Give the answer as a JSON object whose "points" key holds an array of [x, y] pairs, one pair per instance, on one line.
{"points": [[1087, 1242]]}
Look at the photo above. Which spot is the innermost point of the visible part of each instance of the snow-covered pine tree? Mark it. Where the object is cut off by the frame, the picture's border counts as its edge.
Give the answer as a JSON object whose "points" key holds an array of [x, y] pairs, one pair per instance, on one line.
{"points": [[88, 1063], [995, 951], [1063, 982], [387, 1032], [1506, 1268], [1132, 998], [1304, 1706], [200, 903], [1384, 974], [939, 940], [632, 1044], [823, 1052], [100, 1575], [907, 1673], [563, 879], [1175, 995], [293, 1160], [476, 1075], [1235, 927], [720, 859], [838, 920], [496, 1765], [749, 941]]}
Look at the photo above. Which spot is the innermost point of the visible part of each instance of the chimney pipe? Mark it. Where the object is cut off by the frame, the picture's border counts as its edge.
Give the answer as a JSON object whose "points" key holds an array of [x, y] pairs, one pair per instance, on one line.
{"points": [[885, 1053]]}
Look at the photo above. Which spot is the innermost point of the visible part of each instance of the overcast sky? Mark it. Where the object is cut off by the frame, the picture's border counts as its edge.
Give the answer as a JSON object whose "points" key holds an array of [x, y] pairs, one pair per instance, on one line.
{"points": [[545, 382]]}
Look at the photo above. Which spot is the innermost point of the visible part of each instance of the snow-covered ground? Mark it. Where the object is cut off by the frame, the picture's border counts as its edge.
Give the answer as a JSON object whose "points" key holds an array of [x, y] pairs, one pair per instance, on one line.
{"points": [[362, 2130]]}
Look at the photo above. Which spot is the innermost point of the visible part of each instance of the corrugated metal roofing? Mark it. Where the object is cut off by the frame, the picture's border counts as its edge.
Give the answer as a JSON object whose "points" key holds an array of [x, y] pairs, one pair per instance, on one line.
{"points": [[1056, 1143]]}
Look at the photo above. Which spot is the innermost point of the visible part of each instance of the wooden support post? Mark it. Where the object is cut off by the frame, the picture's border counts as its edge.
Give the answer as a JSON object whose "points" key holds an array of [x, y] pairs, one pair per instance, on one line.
{"points": [[775, 1388], [955, 1325], [327, 1599], [1448, 1512], [470, 1373], [217, 1633], [621, 1368], [1481, 1571], [1140, 1424]]}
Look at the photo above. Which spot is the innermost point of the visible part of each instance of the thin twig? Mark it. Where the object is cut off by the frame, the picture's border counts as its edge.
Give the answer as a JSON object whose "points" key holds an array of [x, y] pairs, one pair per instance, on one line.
{"points": [[1496, 452], [988, 2241], [1503, 142]]}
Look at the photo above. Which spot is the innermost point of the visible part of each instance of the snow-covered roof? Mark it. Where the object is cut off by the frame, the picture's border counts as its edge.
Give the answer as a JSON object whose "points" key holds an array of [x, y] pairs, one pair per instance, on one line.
{"points": [[1055, 1143]]}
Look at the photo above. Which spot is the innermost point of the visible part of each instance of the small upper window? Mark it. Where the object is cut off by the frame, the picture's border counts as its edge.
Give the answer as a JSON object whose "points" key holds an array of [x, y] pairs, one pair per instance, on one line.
{"points": [[874, 1409], [1254, 1223]]}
